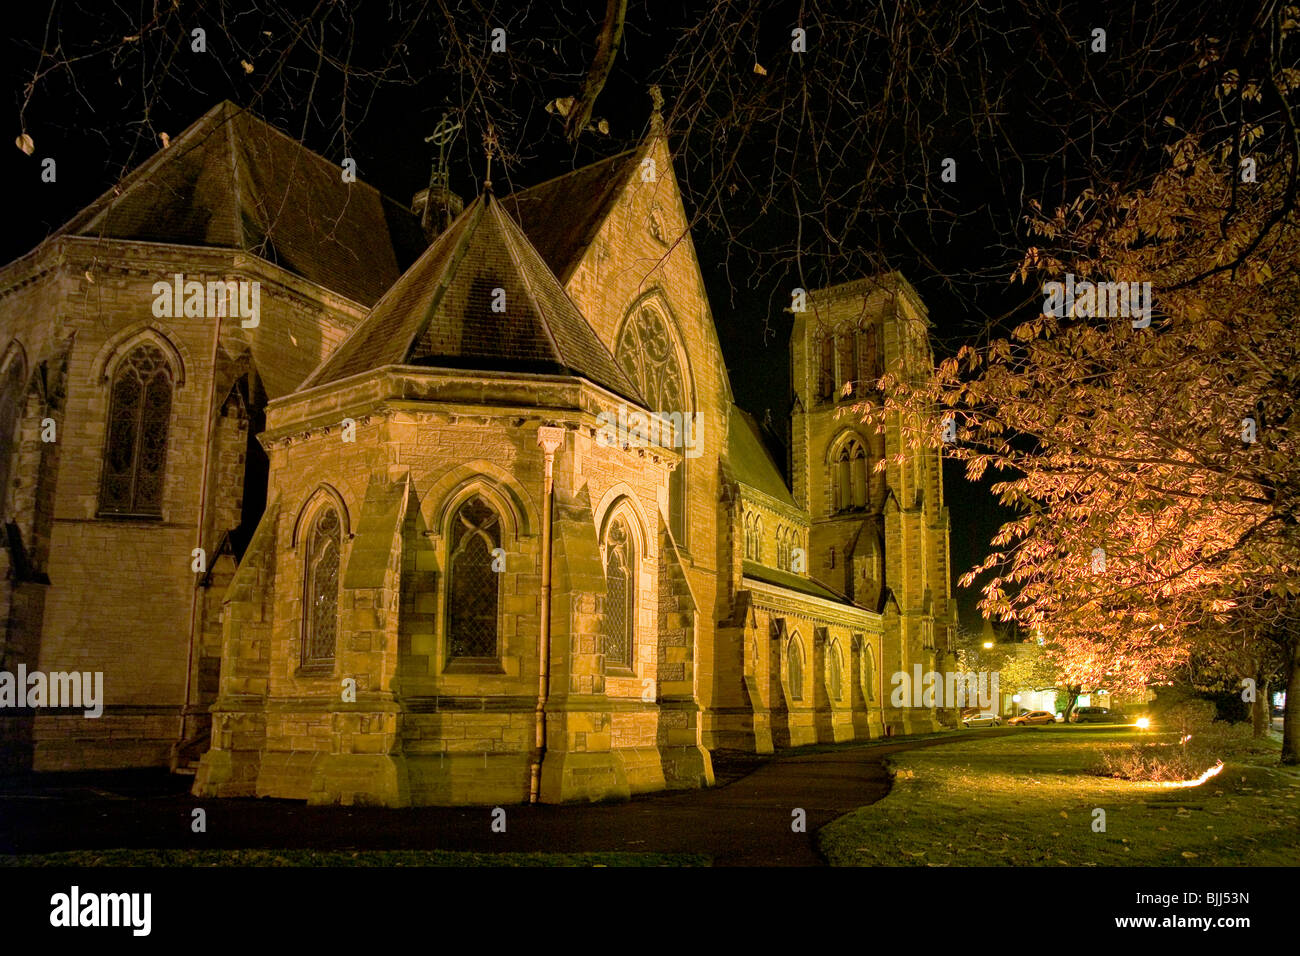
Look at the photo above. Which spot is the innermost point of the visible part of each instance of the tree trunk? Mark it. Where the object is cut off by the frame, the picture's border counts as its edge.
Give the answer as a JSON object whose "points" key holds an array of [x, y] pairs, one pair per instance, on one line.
{"points": [[1261, 712], [1074, 697], [1290, 732]]}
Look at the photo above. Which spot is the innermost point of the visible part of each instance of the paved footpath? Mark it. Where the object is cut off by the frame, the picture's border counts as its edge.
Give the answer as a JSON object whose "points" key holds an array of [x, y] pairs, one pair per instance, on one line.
{"points": [[744, 823]]}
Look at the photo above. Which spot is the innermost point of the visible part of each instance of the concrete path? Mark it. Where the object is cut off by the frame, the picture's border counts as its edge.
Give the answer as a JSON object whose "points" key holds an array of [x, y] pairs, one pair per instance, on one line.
{"points": [[744, 823]]}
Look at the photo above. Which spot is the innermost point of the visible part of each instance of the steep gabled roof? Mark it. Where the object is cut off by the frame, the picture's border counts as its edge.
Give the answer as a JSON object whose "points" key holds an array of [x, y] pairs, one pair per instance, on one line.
{"points": [[750, 460], [441, 312], [233, 181], [562, 216]]}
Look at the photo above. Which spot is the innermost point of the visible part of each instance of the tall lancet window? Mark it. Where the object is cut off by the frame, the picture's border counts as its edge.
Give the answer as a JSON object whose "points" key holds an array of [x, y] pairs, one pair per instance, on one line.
{"points": [[321, 588], [836, 671], [794, 668], [12, 381], [620, 596], [648, 352], [849, 476], [868, 356], [140, 406], [846, 347], [826, 375], [473, 587]]}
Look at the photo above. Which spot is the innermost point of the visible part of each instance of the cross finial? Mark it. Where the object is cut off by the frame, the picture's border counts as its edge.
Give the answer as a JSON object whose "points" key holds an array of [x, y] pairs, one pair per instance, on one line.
{"points": [[656, 115], [490, 146], [442, 136]]}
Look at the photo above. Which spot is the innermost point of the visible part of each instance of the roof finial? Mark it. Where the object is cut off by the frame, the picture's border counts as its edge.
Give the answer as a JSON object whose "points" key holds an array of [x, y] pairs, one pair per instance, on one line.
{"points": [[442, 136], [438, 205], [656, 116], [490, 145]]}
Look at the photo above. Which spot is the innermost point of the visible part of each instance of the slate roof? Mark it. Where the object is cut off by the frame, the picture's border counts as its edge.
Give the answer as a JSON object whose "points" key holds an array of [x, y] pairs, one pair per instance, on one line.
{"points": [[793, 582], [750, 460], [231, 180], [440, 312], [562, 215]]}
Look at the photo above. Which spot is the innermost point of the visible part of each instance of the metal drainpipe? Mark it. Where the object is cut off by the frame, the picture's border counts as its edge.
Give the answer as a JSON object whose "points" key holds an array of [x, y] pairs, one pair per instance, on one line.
{"points": [[196, 631], [549, 438]]}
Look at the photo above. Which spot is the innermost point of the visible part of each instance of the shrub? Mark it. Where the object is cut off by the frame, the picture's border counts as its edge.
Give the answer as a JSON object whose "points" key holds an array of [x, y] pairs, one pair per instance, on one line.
{"points": [[1154, 762], [1168, 761], [1190, 716]]}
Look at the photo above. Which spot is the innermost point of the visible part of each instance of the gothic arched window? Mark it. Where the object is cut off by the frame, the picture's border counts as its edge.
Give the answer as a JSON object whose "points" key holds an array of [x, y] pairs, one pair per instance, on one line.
{"points": [[847, 348], [135, 454], [826, 377], [782, 549], [473, 587], [868, 356], [12, 383], [648, 353], [754, 538], [794, 668], [620, 596], [868, 671], [849, 476], [320, 617], [836, 671]]}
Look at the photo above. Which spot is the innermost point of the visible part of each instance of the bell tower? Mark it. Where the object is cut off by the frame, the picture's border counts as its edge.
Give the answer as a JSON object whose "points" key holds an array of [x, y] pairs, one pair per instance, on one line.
{"points": [[879, 533]]}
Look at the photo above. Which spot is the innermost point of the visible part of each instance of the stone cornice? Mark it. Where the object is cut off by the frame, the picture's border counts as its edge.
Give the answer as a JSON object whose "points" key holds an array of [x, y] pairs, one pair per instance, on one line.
{"points": [[136, 257], [754, 496], [771, 597]]}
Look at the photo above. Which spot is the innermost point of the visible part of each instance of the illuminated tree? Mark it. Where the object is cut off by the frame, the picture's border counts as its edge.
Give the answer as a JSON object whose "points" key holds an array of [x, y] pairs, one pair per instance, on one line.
{"points": [[1152, 458]]}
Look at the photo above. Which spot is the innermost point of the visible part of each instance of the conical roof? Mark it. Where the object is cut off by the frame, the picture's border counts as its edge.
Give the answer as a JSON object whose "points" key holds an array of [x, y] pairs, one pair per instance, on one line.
{"points": [[233, 181], [482, 298]]}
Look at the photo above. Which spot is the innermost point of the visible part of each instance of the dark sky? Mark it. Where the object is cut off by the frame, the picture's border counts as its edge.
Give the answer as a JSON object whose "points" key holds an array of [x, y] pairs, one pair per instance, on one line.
{"points": [[91, 118]]}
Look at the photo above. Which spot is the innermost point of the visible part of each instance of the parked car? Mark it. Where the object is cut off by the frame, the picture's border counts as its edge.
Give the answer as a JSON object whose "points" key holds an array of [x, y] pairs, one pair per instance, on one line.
{"points": [[981, 720], [1098, 715], [1032, 717]]}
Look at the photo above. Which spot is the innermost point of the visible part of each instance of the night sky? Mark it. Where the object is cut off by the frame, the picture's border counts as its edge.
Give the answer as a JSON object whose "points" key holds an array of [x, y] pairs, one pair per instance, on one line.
{"points": [[92, 119]]}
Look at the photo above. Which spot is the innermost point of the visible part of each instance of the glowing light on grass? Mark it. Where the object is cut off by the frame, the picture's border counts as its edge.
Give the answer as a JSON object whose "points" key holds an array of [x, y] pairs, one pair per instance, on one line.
{"points": [[1212, 772], [1143, 723]]}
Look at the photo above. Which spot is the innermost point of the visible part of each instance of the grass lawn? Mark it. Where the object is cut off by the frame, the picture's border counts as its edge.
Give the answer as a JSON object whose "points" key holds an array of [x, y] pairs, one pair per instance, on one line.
{"points": [[153, 858], [1027, 800]]}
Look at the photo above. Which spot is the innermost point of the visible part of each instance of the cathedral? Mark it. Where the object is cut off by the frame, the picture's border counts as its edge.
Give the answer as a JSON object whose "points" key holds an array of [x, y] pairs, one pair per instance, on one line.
{"points": [[356, 502]]}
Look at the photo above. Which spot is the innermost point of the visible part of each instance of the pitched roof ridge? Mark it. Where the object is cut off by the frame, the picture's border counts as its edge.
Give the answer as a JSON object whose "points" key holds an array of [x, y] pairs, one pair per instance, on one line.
{"points": [[101, 204], [573, 172], [515, 234], [528, 284], [225, 113], [473, 209], [236, 193], [245, 111], [454, 260]]}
